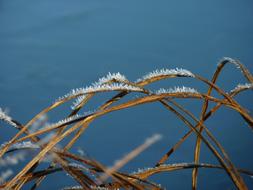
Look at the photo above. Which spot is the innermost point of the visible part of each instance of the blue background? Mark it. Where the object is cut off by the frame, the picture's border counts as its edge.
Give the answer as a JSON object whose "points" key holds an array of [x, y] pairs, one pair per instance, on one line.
{"points": [[49, 47]]}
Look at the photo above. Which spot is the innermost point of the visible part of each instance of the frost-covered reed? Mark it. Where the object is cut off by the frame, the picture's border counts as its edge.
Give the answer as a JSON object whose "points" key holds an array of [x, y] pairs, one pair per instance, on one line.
{"points": [[102, 188], [100, 88], [54, 142], [78, 187], [7, 118], [24, 144], [69, 120], [242, 87], [230, 60], [64, 121], [78, 166], [78, 101], [167, 72], [182, 89], [111, 77]]}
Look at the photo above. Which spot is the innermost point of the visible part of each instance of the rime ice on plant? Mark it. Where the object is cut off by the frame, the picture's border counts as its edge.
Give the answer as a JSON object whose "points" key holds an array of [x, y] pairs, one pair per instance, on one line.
{"points": [[81, 167], [101, 88], [242, 87], [77, 187], [70, 119], [6, 118], [72, 187], [167, 72], [141, 170], [177, 90], [230, 60], [101, 188], [149, 169], [64, 121], [109, 77], [77, 102], [24, 144], [78, 166]]}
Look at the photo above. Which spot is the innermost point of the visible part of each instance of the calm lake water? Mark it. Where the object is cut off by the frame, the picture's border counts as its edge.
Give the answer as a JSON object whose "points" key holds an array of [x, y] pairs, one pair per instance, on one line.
{"points": [[49, 47]]}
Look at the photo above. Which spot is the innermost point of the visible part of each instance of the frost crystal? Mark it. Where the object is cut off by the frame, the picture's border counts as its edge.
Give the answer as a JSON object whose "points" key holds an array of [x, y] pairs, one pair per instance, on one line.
{"points": [[101, 188], [109, 77], [144, 170], [77, 102], [72, 187], [228, 59], [78, 166], [102, 81], [100, 88], [165, 72], [91, 187], [242, 86], [6, 118], [25, 144], [64, 121], [177, 90], [69, 119]]}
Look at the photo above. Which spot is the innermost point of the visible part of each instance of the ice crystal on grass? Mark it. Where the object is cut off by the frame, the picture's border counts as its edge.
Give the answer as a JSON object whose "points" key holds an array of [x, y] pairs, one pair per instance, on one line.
{"points": [[69, 120], [242, 87], [20, 145], [166, 72], [78, 166], [77, 102], [72, 187], [6, 118], [101, 188], [110, 77], [149, 169], [65, 121], [230, 60], [177, 90], [141, 170], [102, 81], [77, 187], [24, 144], [100, 88]]}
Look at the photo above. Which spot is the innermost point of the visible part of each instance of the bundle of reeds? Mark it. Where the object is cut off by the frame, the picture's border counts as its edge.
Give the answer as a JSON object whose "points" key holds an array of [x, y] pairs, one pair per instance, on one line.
{"points": [[89, 173]]}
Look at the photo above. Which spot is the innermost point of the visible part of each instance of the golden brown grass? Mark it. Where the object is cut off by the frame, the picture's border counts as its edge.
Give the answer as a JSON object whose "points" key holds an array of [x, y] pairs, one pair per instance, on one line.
{"points": [[62, 157]]}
